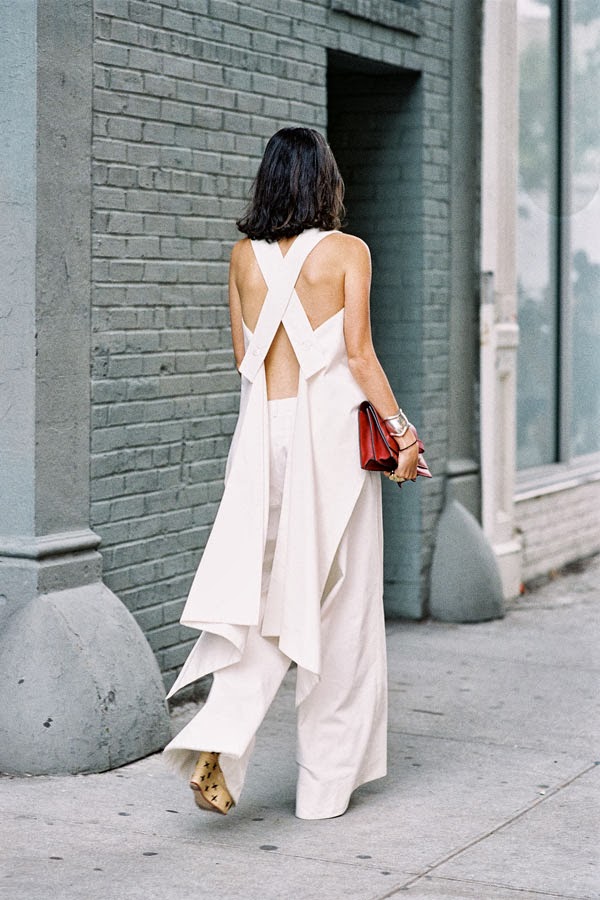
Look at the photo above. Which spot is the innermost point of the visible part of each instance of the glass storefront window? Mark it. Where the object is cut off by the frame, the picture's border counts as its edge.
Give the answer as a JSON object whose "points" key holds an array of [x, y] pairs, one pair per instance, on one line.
{"points": [[537, 361], [585, 224], [558, 231]]}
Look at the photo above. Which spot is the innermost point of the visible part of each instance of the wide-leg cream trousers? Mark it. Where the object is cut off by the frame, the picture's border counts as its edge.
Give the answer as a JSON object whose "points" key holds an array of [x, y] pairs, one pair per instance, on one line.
{"points": [[342, 723]]}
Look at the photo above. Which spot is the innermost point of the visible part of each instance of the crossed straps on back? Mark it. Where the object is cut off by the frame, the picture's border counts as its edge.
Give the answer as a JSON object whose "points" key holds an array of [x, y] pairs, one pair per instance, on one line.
{"points": [[282, 304]]}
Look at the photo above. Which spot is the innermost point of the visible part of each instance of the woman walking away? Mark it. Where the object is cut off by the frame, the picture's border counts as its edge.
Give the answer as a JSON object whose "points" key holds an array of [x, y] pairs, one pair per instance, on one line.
{"points": [[293, 567]]}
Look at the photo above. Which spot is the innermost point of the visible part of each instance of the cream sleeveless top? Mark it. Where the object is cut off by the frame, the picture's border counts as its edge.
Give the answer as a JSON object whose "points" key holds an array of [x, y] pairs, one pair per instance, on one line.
{"points": [[322, 482]]}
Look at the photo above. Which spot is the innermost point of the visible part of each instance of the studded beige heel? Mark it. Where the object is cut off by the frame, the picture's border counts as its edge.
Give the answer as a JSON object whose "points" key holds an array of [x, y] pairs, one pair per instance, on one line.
{"points": [[208, 784]]}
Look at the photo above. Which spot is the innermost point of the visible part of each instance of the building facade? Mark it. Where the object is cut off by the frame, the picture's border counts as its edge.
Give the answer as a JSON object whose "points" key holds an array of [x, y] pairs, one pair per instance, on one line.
{"points": [[469, 148], [540, 258], [185, 96]]}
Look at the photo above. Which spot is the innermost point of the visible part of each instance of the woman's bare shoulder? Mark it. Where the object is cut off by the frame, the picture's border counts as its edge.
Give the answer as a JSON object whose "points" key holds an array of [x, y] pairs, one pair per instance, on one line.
{"points": [[348, 249], [240, 248], [349, 244], [241, 254]]}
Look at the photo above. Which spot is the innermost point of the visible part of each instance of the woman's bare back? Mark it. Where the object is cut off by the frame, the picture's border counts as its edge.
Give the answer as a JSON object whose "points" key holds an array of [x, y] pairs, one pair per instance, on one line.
{"points": [[320, 288], [336, 275]]}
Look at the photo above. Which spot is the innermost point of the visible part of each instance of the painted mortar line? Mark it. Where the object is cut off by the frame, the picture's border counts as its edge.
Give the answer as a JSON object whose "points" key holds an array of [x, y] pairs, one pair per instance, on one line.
{"points": [[476, 840]]}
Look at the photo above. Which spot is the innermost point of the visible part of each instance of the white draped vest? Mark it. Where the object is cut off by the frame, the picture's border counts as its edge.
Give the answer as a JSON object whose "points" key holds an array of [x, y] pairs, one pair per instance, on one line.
{"points": [[322, 482]]}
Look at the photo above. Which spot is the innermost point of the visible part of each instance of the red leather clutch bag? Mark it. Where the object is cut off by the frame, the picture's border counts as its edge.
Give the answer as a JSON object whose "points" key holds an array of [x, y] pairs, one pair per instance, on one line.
{"points": [[378, 449]]}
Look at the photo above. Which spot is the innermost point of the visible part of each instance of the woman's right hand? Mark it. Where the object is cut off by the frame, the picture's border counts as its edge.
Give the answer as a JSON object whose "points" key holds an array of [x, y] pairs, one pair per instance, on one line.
{"points": [[408, 458]]}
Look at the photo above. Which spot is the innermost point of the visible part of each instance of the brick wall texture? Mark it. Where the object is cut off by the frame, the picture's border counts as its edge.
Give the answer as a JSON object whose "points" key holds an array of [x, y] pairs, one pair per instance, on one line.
{"points": [[558, 527], [186, 94]]}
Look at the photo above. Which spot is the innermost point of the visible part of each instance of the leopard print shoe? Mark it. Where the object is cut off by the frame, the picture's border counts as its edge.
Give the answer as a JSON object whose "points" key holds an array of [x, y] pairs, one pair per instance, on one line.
{"points": [[208, 784]]}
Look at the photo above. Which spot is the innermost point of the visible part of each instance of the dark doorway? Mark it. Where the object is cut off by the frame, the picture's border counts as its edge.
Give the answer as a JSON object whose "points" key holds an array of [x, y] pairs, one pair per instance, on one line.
{"points": [[375, 128]]}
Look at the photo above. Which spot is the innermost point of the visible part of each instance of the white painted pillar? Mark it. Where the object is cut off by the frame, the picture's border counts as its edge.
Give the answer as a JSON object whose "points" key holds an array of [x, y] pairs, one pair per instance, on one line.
{"points": [[499, 328]]}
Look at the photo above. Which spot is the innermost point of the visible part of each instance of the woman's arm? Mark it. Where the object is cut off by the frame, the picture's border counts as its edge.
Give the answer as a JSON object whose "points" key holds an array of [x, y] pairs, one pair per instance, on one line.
{"points": [[362, 359]]}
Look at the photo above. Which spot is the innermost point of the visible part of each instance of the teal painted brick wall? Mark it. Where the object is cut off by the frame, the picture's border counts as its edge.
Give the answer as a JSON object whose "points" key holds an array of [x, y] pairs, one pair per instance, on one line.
{"points": [[186, 94]]}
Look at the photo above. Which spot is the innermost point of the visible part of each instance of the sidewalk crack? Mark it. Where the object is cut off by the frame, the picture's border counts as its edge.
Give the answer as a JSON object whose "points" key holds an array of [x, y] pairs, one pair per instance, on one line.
{"points": [[431, 867]]}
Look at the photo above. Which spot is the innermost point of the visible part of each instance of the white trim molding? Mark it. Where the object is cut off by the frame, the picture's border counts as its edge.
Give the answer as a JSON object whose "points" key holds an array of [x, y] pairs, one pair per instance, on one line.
{"points": [[499, 332]]}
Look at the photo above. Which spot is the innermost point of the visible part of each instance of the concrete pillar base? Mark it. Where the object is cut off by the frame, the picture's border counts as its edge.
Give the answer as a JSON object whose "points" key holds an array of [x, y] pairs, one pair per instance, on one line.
{"points": [[80, 689], [509, 557], [465, 582]]}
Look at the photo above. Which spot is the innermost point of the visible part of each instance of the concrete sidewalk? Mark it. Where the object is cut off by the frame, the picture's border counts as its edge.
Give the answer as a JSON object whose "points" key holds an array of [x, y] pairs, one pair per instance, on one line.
{"points": [[492, 791]]}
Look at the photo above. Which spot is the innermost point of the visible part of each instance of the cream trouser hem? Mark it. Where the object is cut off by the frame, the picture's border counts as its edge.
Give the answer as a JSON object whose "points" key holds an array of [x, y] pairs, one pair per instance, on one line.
{"points": [[342, 724]]}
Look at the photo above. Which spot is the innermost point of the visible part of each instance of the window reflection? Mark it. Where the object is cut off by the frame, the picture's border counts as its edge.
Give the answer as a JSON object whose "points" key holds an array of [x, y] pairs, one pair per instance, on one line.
{"points": [[585, 223], [537, 361]]}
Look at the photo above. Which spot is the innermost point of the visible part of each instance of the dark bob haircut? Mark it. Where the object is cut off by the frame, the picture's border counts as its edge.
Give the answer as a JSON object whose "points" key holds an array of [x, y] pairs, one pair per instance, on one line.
{"points": [[298, 185]]}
